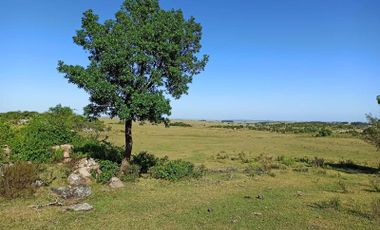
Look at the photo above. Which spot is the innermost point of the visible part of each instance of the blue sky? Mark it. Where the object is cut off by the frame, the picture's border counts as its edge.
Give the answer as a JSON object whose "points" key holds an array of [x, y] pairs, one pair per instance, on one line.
{"points": [[269, 59]]}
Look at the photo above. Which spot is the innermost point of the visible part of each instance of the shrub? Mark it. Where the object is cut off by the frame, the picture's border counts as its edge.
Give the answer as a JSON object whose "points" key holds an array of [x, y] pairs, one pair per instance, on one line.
{"points": [[175, 170], [34, 141], [180, 124], [57, 155], [17, 180], [286, 160], [108, 170], [131, 173], [145, 161], [101, 150], [324, 132]]}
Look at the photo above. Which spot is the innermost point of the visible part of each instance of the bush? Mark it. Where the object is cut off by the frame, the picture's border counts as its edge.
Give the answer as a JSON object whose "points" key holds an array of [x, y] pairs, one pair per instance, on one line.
{"points": [[34, 141], [372, 134], [175, 170], [17, 180], [286, 160], [101, 150], [131, 173], [324, 132], [145, 161], [108, 170], [180, 124]]}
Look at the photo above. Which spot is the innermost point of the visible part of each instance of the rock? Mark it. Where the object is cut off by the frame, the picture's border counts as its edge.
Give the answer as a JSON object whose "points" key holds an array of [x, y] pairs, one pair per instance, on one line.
{"points": [[7, 150], [210, 210], [260, 197], [85, 166], [116, 183], [299, 193], [257, 214], [80, 207], [75, 192], [76, 179], [38, 183]]}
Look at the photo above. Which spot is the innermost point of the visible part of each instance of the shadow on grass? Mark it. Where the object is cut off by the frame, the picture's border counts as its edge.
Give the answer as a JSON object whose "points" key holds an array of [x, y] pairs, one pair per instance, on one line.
{"points": [[350, 167]]}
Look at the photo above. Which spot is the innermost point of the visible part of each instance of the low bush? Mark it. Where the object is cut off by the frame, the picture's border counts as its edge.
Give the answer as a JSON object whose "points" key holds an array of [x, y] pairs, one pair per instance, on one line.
{"points": [[130, 173], [175, 170], [288, 161], [180, 124], [324, 132], [17, 180], [144, 160], [108, 170]]}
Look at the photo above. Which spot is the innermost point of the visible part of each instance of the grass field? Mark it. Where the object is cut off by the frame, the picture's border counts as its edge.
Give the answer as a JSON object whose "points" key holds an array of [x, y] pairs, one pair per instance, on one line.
{"points": [[226, 197]]}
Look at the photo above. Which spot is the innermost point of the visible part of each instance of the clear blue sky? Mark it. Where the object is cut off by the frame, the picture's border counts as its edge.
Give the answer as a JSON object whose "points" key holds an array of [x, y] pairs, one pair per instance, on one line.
{"points": [[269, 59]]}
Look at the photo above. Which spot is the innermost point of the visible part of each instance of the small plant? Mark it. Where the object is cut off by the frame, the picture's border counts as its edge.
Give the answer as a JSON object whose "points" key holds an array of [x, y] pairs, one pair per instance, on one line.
{"points": [[57, 155], [17, 180], [375, 183], [108, 170], [222, 155], [286, 160], [130, 173], [333, 203], [145, 161], [175, 170]]}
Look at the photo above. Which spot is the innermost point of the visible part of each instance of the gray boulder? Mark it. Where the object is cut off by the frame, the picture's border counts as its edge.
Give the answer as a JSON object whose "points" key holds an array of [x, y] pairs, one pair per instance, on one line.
{"points": [[74, 192], [76, 179], [80, 207]]}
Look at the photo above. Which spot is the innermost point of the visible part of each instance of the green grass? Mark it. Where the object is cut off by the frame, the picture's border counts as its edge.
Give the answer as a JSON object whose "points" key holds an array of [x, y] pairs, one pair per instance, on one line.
{"points": [[223, 198]]}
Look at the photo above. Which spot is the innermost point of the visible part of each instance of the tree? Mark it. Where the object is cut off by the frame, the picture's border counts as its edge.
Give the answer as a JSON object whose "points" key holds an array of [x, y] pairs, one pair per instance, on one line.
{"points": [[372, 134], [137, 61]]}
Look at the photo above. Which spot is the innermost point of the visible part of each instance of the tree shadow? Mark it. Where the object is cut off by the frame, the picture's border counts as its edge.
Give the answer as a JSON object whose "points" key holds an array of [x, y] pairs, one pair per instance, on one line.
{"points": [[351, 167], [102, 151]]}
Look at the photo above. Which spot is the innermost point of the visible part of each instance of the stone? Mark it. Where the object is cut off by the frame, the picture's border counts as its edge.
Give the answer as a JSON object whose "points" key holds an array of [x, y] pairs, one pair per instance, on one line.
{"points": [[85, 166], [257, 214], [38, 183], [80, 207], [260, 197], [7, 150], [116, 183], [76, 179], [299, 193], [75, 192]]}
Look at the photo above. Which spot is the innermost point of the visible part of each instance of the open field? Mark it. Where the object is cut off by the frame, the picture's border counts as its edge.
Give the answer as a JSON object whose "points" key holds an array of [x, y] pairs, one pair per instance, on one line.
{"points": [[293, 196]]}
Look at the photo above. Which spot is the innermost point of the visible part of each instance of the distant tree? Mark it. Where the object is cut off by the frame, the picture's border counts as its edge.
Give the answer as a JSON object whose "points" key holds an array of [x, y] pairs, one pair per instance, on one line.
{"points": [[372, 134], [136, 60]]}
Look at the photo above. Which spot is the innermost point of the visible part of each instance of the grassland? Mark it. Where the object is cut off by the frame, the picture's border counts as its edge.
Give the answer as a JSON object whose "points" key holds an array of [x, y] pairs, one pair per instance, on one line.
{"points": [[226, 197]]}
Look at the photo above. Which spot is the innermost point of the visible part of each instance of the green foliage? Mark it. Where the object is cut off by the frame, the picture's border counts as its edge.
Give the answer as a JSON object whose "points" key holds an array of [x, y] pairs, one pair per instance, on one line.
{"points": [[288, 161], [57, 155], [136, 59], [131, 173], [174, 170], [108, 170], [6, 134], [144, 160], [372, 134], [17, 180], [101, 150], [180, 124], [324, 132], [34, 141]]}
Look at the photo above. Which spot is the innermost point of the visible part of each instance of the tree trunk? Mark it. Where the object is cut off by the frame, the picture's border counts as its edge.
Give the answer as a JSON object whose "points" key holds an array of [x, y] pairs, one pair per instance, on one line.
{"points": [[128, 140]]}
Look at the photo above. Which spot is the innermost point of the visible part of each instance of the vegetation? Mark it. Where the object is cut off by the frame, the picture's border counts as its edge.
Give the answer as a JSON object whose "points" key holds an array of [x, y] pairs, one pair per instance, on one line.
{"points": [[180, 124], [108, 169], [145, 161], [136, 59], [174, 170]]}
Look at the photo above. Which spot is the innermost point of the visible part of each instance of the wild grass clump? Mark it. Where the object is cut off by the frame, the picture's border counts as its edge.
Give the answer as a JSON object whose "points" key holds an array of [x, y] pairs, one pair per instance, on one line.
{"points": [[222, 155], [175, 170], [375, 183], [288, 161], [263, 165], [376, 210], [332, 203], [17, 180], [108, 169]]}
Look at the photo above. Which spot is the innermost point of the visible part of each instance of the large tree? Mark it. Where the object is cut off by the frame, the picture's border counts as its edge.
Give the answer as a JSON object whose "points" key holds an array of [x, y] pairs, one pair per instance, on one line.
{"points": [[136, 62], [372, 134]]}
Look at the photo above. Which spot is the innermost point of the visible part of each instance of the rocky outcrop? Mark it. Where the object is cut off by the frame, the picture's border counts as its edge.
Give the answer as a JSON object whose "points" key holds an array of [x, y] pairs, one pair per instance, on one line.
{"points": [[80, 207], [67, 150], [76, 179], [85, 166], [74, 192], [116, 183]]}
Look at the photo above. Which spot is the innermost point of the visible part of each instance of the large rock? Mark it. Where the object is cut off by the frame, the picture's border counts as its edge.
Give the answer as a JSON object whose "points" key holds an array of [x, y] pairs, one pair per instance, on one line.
{"points": [[76, 179], [85, 166], [80, 207], [74, 192], [116, 183]]}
